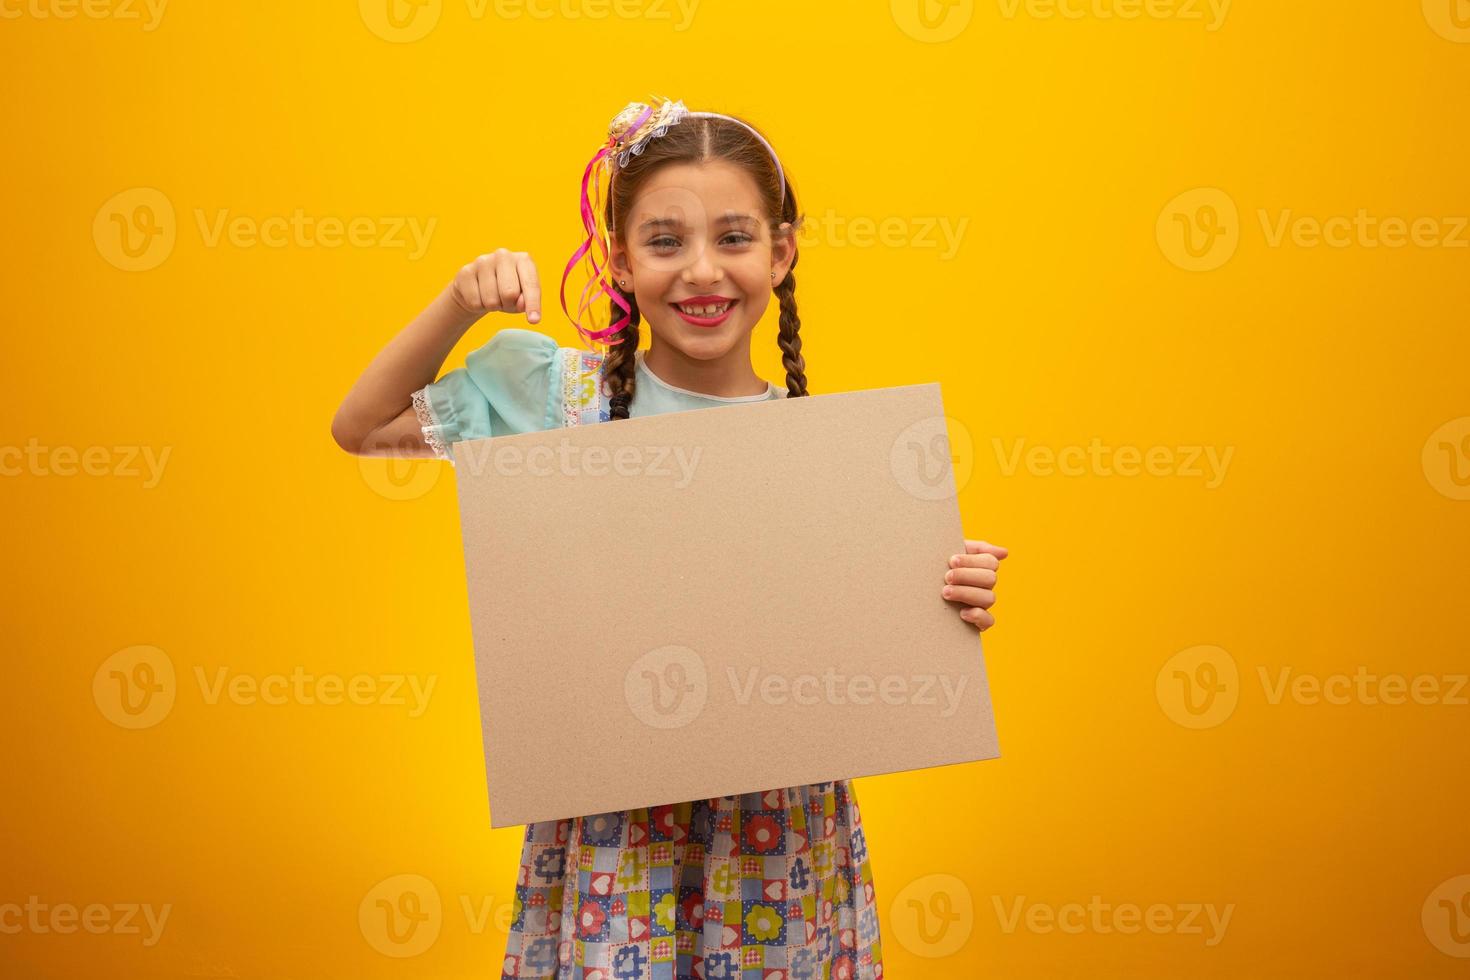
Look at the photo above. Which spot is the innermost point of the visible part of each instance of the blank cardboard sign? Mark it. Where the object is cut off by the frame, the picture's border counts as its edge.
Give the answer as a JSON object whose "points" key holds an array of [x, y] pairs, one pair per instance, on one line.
{"points": [[718, 601]]}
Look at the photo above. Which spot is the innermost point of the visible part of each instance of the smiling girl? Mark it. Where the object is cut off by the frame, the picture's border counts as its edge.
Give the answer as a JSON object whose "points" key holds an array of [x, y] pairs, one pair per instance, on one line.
{"points": [[696, 234]]}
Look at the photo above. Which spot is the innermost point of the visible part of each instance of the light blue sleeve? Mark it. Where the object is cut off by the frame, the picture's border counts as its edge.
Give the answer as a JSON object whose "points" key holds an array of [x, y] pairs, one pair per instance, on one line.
{"points": [[509, 385]]}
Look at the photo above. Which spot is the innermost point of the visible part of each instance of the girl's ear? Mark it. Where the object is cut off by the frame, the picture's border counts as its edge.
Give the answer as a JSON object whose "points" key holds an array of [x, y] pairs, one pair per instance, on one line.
{"points": [[783, 251], [618, 260]]}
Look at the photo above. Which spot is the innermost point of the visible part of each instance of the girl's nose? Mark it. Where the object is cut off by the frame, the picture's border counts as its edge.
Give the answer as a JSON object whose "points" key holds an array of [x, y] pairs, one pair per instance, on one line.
{"points": [[703, 268]]}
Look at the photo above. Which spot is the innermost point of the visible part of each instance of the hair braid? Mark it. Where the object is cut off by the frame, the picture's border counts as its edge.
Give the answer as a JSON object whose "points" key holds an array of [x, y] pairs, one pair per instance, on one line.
{"points": [[619, 364], [789, 336]]}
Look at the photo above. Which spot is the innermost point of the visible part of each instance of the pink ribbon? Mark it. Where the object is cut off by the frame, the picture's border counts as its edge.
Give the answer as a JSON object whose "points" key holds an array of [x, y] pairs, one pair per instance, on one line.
{"points": [[599, 273]]}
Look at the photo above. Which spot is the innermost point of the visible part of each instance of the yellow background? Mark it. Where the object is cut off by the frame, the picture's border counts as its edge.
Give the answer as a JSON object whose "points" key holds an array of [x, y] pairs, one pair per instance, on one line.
{"points": [[1336, 540]]}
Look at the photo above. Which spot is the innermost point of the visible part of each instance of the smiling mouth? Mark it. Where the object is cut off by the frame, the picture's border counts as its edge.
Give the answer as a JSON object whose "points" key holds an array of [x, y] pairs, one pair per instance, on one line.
{"points": [[704, 310]]}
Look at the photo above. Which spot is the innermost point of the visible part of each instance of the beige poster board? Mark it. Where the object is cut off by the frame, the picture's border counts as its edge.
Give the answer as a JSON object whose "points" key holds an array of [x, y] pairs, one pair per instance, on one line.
{"points": [[718, 601]]}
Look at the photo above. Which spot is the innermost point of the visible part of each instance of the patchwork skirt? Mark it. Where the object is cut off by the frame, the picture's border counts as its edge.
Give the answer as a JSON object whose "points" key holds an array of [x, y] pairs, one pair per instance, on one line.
{"points": [[775, 885]]}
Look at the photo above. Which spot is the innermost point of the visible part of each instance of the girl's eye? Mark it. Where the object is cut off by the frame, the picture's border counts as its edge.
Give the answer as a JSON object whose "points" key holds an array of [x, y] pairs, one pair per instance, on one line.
{"points": [[669, 241]]}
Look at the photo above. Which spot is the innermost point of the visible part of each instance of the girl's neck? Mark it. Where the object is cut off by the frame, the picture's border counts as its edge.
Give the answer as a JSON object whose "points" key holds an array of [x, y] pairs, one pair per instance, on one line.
{"points": [[729, 376]]}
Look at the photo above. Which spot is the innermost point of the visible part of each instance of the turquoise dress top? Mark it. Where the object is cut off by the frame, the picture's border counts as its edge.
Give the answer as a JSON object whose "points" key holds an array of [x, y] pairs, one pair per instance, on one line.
{"points": [[772, 885], [523, 381]]}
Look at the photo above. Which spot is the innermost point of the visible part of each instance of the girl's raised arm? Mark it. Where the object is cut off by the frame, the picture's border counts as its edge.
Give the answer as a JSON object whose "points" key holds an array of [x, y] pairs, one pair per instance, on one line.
{"points": [[377, 417]]}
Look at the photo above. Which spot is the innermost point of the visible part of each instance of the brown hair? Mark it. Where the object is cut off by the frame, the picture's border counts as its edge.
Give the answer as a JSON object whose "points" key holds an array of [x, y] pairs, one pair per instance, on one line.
{"points": [[698, 140]]}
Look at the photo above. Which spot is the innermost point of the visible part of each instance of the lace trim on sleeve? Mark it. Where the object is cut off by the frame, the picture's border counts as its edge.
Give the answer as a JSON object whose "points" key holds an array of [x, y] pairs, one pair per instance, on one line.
{"points": [[581, 401], [433, 430]]}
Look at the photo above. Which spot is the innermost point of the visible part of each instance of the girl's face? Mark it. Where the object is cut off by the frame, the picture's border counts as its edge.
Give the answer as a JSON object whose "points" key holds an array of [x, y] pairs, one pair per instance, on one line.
{"points": [[697, 232]]}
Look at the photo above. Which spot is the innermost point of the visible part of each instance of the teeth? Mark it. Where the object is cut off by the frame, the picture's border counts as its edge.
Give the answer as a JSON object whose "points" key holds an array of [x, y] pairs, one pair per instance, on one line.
{"points": [[705, 310]]}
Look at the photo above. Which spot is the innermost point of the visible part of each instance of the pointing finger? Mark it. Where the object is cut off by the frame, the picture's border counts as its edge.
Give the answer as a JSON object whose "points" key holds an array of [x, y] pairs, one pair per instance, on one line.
{"points": [[531, 288]]}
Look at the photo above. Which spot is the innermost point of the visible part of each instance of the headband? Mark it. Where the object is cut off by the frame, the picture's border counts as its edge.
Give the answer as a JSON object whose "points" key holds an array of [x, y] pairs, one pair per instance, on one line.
{"points": [[628, 136]]}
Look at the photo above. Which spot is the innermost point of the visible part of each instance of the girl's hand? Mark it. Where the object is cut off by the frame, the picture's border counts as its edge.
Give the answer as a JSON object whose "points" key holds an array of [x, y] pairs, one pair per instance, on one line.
{"points": [[970, 581], [503, 280]]}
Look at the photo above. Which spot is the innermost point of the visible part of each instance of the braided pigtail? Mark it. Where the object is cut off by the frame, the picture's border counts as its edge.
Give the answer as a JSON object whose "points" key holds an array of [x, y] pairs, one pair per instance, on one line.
{"points": [[789, 335], [619, 364]]}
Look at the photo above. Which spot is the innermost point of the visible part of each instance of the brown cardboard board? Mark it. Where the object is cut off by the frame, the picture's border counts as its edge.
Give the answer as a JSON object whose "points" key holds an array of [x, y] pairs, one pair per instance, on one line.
{"points": [[718, 601]]}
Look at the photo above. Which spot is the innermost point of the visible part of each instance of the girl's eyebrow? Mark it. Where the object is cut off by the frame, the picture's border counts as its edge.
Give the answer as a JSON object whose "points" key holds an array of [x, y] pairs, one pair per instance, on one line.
{"points": [[730, 218]]}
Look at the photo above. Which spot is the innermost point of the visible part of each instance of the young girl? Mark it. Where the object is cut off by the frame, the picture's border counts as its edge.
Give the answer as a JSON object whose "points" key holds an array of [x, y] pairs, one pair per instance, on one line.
{"points": [[698, 231]]}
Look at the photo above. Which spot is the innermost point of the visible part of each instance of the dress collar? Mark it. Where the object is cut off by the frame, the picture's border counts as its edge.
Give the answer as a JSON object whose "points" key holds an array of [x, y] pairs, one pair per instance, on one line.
{"points": [[648, 372]]}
